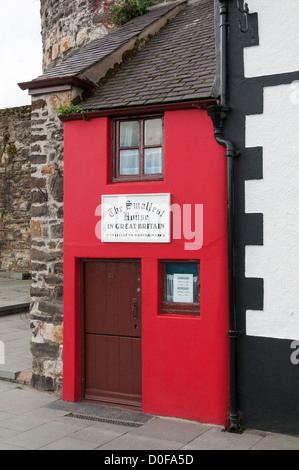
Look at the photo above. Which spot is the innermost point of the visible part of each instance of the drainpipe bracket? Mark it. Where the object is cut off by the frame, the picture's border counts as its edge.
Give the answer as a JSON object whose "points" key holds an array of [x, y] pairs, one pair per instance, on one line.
{"points": [[231, 154], [233, 334]]}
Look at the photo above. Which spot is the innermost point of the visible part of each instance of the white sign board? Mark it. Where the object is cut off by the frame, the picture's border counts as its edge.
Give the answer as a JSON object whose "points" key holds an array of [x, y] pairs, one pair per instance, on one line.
{"points": [[136, 218], [183, 288]]}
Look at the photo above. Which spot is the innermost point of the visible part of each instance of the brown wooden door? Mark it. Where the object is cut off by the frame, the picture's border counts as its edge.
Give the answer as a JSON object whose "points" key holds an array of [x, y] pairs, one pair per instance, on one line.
{"points": [[112, 317]]}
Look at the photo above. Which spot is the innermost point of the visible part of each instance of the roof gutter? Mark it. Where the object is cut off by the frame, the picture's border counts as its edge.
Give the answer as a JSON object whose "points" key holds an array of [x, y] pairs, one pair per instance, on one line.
{"points": [[218, 115], [136, 110]]}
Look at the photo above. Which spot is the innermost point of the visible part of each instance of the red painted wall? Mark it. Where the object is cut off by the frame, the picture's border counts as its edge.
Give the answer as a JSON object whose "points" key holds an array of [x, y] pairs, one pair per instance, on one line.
{"points": [[185, 359]]}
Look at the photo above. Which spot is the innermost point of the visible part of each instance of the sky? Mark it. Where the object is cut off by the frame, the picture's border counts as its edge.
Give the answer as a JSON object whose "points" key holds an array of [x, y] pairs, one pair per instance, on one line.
{"points": [[20, 49]]}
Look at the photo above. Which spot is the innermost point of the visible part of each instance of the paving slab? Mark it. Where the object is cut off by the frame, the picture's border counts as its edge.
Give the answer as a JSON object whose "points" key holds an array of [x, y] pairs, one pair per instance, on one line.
{"points": [[14, 295], [40, 436], [21, 400], [175, 430], [22, 422], [135, 442], [216, 439], [277, 441], [10, 447], [69, 443], [4, 385], [100, 434], [7, 433], [5, 416], [43, 415]]}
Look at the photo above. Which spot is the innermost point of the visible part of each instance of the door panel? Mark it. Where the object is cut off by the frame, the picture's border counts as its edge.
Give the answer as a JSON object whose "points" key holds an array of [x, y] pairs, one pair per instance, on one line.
{"points": [[112, 300], [112, 317], [113, 369]]}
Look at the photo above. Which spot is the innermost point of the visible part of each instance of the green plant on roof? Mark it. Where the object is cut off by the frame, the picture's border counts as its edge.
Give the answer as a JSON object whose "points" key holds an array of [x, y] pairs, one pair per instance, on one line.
{"points": [[70, 109], [115, 13]]}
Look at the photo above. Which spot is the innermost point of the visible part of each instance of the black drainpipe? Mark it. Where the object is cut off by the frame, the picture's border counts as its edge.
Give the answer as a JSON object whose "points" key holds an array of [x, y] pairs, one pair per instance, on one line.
{"points": [[218, 115]]}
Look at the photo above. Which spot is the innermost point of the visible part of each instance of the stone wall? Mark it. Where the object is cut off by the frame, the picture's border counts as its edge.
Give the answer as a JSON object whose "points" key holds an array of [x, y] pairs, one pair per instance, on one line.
{"points": [[67, 25], [15, 193], [47, 240]]}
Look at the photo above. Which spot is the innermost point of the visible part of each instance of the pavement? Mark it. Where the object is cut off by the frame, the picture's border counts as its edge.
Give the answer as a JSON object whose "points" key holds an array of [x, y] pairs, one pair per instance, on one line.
{"points": [[15, 327], [31, 419], [36, 420]]}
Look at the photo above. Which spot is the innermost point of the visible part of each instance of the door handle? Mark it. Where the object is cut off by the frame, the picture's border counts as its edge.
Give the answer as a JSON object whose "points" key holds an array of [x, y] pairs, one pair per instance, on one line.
{"points": [[134, 308]]}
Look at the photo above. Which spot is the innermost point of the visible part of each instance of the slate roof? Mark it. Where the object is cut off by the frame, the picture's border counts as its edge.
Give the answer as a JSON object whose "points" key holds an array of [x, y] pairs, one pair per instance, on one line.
{"points": [[178, 64], [100, 48]]}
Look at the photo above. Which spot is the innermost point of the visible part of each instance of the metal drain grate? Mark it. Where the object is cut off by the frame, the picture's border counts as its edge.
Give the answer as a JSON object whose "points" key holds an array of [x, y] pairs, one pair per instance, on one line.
{"points": [[105, 420]]}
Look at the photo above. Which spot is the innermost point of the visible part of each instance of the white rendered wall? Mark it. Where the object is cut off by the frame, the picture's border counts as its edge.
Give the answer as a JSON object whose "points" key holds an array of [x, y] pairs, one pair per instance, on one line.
{"points": [[278, 51], [277, 197]]}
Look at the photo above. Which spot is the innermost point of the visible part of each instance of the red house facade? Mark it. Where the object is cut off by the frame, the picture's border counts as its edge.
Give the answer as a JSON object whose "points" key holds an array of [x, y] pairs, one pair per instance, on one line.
{"points": [[182, 358]]}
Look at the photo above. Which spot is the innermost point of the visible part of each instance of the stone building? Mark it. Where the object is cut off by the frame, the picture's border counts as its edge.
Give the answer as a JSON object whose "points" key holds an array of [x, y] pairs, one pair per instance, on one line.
{"points": [[65, 26]]}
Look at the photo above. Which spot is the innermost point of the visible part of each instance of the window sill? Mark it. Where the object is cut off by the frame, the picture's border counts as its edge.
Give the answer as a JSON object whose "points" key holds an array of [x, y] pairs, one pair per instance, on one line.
{"points": [[180, 315]]}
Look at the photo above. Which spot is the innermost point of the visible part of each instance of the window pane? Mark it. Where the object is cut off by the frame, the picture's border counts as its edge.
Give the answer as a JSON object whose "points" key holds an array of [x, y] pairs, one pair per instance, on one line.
{"points": [[129, 134], [181, 283], [152, 161], [129, 162], [153, 132]]}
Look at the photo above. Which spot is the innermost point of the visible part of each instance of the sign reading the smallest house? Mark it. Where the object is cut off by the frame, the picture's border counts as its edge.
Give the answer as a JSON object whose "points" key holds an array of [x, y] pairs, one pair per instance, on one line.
{"points": [[136, 218]]}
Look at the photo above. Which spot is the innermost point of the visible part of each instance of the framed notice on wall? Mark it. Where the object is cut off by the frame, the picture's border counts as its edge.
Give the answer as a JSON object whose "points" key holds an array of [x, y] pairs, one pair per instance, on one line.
{"points": [[136, 218]]}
